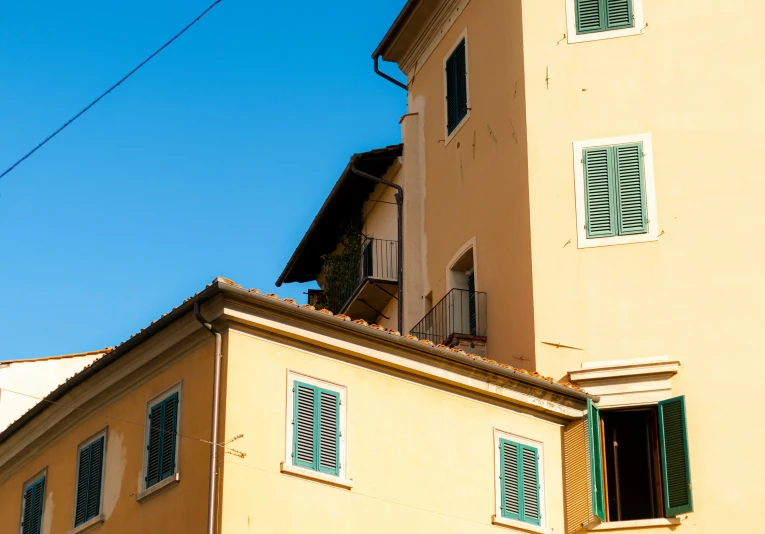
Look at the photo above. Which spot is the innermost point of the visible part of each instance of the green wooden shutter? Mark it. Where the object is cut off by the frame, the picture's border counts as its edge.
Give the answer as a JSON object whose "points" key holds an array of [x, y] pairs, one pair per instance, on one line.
{"points": [[519, 482], [304, 444], [461, 81], [328, 432], [630, 179], [618, 14], [530, 485], [154, 446], [590, 16], [596, 463], [169, 431], [600, 195], [451, 93], [89, 482], [675, 461], [509, 476], [472, 317], [33, 507]]}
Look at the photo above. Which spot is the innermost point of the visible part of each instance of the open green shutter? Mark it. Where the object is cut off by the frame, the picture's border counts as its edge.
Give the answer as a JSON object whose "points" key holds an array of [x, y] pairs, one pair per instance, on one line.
{"points": [[328, 432], [530, 485], [169, 440], [304, 444], [461, 81], [509, 477], [600, 198], [155, 442], [619, 14], [596, 463], [451, 93], [675, 462], [590, 16], [630, 188]]}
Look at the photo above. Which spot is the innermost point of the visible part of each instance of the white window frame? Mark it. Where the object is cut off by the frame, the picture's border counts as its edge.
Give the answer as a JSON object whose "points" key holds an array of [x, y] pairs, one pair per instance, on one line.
{"points": [[650, 192], [449, 136], [99, 518], [573, 37], [497, 519], [40, 474], [287, 466], [144, 491]]}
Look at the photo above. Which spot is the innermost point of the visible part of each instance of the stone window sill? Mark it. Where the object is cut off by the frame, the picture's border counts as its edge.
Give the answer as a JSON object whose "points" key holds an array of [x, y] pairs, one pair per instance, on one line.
{"points": [[87, 525], [638, 523], [158, 488], [519, 525], [314, 475]]}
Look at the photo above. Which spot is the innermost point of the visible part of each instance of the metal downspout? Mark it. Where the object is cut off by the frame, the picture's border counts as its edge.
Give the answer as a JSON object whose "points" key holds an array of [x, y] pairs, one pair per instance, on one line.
{"points": [[215, 410], [389, 78], [400, 252]]}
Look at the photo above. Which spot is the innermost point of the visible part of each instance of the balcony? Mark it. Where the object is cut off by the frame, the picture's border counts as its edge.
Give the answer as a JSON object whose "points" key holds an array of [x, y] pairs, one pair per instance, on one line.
{"points": [[458, 320], [371, 284]]}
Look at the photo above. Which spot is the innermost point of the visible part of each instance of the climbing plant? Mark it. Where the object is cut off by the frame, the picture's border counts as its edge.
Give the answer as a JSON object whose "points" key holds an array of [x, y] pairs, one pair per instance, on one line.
{"points": [[342, 268]]}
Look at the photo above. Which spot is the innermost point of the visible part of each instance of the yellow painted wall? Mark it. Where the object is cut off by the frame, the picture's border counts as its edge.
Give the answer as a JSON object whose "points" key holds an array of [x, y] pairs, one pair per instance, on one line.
{"points": [[421, 459], [178, 509]]}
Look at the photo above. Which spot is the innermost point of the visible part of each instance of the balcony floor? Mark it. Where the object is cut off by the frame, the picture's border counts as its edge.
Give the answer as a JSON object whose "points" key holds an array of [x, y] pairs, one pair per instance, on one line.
{"points": [[370, 299]]}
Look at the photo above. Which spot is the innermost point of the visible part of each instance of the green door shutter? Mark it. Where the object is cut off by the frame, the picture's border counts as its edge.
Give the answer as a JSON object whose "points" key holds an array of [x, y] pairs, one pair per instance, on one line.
{"points": [[630, 189], [304, 444], [154, 446], [89, 482], [590, 16], [33, 507], [619, 14], [329, 432], [596, 463], [600, 195], [509, 476], [675, 462]]}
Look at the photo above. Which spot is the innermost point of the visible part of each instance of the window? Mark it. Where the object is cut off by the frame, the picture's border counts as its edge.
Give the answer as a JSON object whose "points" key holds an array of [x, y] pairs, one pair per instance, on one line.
{"points": [[639, 462], [90, 466], [162, 438], [456, 86], [519, 482], [590, 20], [316, 430], [32, 506], [615, 191]]}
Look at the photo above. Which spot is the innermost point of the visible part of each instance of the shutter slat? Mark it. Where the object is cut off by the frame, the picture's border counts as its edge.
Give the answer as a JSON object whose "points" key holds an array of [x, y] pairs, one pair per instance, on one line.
{"points": [[630, 189], [329, 416], [304, 434], [155, 438], [618, 14], [599, 192], [94, 482], [81, 508], [673, 441], [589, 16]]}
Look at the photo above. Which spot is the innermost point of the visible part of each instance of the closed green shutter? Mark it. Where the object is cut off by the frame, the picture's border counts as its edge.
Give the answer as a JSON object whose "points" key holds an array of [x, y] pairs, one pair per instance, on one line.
{"points": [[599, 187], [472, 317], [519, 482], [316, 440], [89, 482], [589, 16], [630, 189], [618, 14], [596, 463], [163, 422], [675, 461], [31, 522], [456, 87]]}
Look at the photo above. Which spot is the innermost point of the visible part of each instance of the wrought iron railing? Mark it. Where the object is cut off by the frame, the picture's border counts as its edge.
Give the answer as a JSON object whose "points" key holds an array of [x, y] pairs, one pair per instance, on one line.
{"points": [[460, 312], [378, 259]]}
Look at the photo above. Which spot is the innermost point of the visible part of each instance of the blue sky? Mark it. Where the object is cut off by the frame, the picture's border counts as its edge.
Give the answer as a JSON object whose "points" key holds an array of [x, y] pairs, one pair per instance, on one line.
{"points": [[210, 161]]}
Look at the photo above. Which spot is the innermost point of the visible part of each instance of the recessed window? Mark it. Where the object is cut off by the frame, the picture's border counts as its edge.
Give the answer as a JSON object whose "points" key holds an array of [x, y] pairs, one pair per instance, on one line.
{"points": [[90, 467], [615, 191], [32, 506], [456, 86], [639, 461], [161, 460], [590, 20]]}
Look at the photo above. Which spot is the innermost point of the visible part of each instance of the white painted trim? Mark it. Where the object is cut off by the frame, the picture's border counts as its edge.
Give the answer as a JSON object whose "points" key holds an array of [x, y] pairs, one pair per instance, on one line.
{"points": [[470, 244], [28, 482], [519, 525], [650, 192], [287, 465], [497, 518], [573, 37], [637, 523], [159, 487], [89, 524], [103, 433], [175, 388], [315, 475], [449, 136]]}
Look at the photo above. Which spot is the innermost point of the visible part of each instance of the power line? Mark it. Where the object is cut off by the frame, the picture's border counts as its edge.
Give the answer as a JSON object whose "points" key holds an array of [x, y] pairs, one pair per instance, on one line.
{"points": [[112, 88]]}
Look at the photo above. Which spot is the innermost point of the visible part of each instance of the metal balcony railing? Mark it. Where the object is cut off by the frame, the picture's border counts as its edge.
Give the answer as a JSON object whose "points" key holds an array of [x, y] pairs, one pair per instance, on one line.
{"points": [[378, 260], [460, 313]]}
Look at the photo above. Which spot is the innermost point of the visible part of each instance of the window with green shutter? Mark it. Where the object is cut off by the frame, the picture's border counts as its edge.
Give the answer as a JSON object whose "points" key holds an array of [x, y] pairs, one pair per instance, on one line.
{"points": [[614, 190], [32, 507], [519, 482], [603, 15], [316, 428], [90, 464], [456, 87], [162, 440], [675, 463]]}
